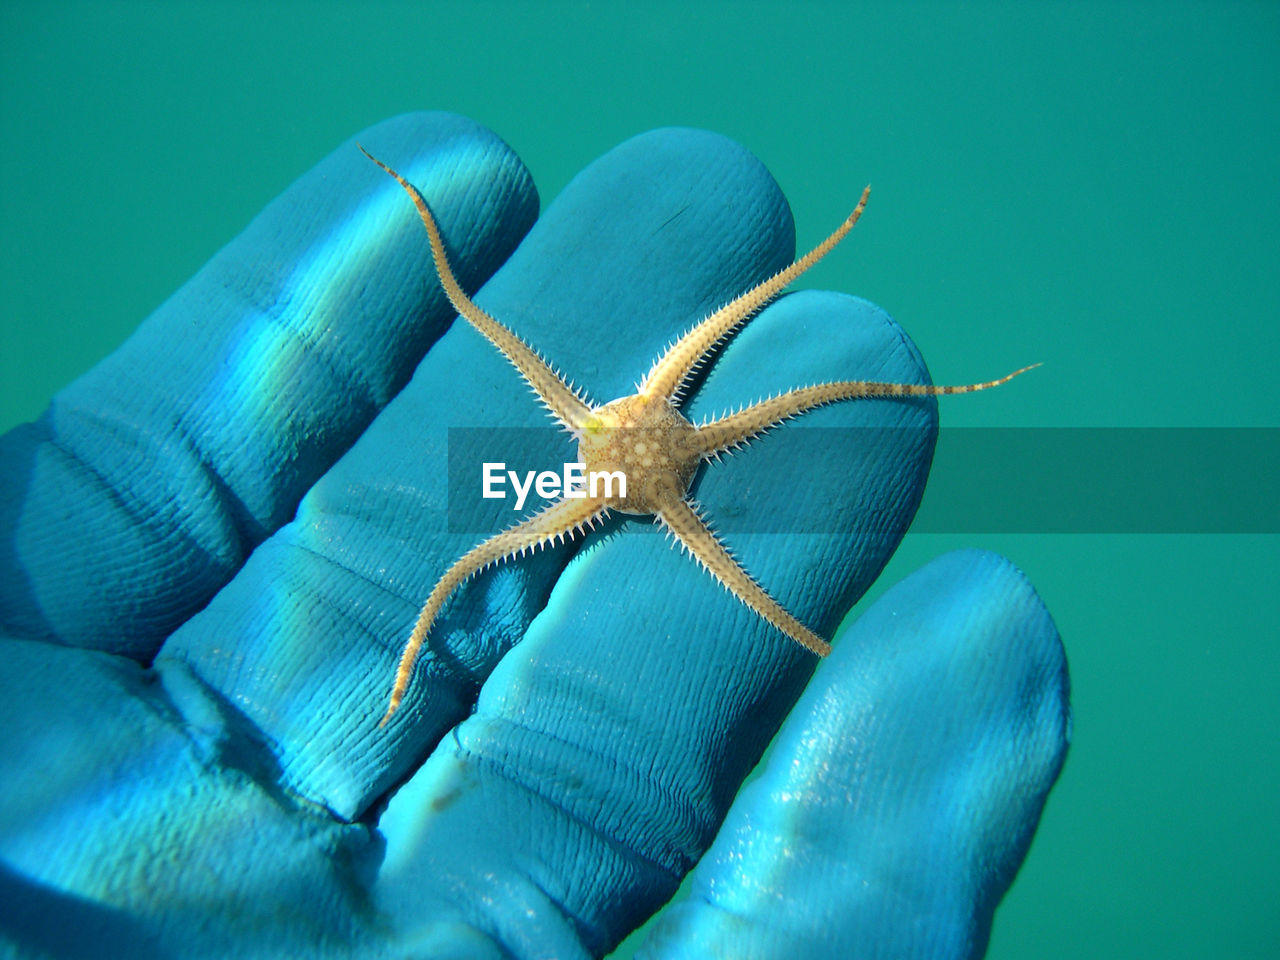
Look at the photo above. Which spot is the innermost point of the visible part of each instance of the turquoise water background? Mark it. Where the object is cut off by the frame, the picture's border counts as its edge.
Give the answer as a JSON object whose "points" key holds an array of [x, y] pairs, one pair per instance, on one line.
{"points": [[1093, 185]]}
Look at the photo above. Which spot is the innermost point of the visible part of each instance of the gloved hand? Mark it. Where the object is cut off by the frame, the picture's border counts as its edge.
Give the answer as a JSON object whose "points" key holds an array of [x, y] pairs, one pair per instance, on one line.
{"points": [[217, 540]]}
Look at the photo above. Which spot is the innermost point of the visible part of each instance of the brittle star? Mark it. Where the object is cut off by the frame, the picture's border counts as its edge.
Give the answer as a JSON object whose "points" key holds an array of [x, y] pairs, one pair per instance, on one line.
{"points": [[648, 439]]}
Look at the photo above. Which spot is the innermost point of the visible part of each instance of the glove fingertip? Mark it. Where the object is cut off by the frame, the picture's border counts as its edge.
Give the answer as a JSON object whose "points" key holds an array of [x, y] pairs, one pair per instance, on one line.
{"points": [[152, 477], [903, 791]]}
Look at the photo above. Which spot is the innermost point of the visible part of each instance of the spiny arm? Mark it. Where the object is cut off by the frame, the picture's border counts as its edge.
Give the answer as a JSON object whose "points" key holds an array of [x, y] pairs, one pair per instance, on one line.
{"points": [[669, 374], [729, 431], [683, 521], [561, 521], [558, 397]]}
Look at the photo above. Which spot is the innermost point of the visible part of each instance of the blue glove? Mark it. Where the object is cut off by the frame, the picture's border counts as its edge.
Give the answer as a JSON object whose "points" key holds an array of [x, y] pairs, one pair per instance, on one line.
{"points": [[217, 541]]}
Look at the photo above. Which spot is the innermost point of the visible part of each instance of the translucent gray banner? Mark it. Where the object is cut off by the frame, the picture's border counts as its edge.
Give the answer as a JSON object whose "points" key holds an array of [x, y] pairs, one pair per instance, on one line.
{"points": [[984, 480]]}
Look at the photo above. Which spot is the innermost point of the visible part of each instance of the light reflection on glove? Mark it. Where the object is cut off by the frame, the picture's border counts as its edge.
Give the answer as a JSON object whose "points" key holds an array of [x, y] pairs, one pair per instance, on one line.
{"points": [[214, 551]]}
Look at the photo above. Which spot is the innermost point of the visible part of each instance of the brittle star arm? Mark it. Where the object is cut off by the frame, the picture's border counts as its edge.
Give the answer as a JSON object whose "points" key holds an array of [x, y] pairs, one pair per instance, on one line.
{"points": [[672, 370], [561, 521], [682, 519], [560, 399], [729, 431]]}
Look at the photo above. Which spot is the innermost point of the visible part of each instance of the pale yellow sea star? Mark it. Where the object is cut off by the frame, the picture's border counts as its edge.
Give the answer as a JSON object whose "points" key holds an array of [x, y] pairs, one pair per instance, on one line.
{"points": [[646, 438]]}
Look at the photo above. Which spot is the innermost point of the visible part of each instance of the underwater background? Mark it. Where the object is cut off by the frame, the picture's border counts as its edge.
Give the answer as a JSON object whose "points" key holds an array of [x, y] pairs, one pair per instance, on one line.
{"points": [[1091, 185]]}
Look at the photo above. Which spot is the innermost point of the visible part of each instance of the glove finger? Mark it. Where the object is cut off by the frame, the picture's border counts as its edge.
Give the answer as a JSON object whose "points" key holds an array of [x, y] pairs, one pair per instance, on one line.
{"points": [[643, 243], [150, 479], [605, 749], [903, 791]]}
